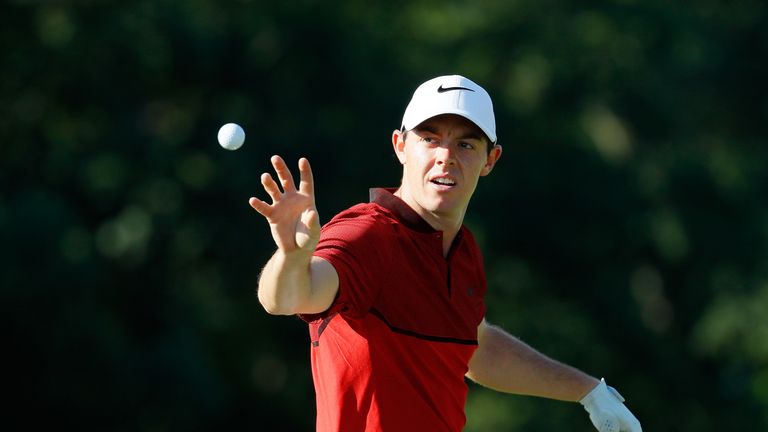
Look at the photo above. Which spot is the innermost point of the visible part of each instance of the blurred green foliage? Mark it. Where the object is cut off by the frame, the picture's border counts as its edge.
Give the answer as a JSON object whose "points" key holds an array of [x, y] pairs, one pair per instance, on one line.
{"points": [[625, 228]]}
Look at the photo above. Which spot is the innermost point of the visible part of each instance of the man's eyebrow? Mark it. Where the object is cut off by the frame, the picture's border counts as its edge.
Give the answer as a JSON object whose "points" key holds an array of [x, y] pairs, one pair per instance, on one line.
{"points": [[426, 128], [471, 135]]}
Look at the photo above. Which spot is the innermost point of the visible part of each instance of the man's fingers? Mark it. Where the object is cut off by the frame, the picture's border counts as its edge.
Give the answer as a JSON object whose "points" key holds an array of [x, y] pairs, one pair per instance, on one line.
{"points": [[288, 193], [631, 425], [260, 206], [604, 421], [271, 187], [283, 174], [307, 182]]}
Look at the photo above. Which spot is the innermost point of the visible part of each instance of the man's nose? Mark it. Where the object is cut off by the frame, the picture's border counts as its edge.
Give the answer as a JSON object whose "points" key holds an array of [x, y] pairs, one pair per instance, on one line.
{"points": [[445, 155]]}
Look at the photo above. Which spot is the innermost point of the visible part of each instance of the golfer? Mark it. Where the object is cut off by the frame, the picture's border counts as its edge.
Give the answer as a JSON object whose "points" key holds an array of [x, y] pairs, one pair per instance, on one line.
{"points": [[393, 290]]}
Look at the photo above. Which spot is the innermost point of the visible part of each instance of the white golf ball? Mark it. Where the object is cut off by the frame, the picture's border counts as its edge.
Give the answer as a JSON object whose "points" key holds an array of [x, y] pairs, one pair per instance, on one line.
{"points": [[231, 136]]}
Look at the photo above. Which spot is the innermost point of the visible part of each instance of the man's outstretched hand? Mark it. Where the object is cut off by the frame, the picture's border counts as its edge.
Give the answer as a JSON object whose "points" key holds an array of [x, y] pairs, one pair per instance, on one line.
{"points": [[607, 411], [292, 216]]}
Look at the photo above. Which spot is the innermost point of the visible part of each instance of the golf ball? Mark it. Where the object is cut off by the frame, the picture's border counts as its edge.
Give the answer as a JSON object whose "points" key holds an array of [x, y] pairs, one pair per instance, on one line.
{"points": [[231, 136]]}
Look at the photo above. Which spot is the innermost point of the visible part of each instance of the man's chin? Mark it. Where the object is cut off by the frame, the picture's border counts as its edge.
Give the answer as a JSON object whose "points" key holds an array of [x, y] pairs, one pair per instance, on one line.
{"points": [[442, 207]]}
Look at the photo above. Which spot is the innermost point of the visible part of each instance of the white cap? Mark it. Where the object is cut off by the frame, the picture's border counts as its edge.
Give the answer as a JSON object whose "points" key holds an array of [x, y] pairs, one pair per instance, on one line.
{"points": [[451, 94]]}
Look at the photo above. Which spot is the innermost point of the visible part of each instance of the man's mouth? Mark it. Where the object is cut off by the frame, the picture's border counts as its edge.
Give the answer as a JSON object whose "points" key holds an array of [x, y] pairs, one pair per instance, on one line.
{"points": [[443, 181]]}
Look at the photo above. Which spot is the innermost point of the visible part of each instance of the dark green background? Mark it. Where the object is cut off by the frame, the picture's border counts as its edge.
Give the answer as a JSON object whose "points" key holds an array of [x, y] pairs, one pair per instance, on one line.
{"points": [[625, 228]]}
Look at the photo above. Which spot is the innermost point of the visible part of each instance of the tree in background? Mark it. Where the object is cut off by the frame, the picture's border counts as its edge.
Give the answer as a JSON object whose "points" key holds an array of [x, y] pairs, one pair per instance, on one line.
{"points": [[631, 240]]}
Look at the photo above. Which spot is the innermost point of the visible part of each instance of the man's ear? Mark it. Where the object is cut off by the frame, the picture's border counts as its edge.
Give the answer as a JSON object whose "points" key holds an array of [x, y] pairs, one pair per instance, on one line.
{"points": [[398, 143], [493, 157]]}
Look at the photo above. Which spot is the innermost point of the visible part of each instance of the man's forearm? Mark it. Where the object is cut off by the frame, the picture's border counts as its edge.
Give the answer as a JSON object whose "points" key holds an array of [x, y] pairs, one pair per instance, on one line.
{"points": [[505, 363], [285, 282]]}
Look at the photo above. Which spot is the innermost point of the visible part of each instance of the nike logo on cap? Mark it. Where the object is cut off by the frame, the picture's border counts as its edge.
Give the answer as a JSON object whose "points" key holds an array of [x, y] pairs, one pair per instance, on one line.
{"points": [[442, 89]]}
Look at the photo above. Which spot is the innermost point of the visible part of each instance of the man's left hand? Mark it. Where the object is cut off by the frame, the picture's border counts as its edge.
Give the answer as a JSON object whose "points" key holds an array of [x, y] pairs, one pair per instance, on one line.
{"points": [[607, 411]]}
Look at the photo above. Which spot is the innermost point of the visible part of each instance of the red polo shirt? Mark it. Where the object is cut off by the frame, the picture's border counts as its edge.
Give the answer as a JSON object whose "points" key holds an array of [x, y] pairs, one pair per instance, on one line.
{"points": [[391, 352]]}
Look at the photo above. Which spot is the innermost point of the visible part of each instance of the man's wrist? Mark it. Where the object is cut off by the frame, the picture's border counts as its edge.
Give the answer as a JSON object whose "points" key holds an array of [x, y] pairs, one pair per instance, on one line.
{"points": [[589, 387], [602, 389], [283, 258]]}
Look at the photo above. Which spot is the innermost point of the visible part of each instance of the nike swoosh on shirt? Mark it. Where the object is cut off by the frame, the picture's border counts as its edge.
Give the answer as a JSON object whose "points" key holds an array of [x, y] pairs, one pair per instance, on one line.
{"points": [[442, 89]]}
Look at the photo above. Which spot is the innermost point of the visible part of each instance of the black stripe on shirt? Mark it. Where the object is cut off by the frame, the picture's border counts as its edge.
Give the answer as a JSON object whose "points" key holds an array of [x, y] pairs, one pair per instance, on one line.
{"points": [[379, 315]]}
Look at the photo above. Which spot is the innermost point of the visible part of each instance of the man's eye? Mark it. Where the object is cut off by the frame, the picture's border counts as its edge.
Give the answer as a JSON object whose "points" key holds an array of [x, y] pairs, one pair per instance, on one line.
{"points": [[428, 139], [466, 145]]}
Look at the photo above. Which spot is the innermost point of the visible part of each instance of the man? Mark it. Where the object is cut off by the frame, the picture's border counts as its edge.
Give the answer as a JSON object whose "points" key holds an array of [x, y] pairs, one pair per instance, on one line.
{"points": [[393, 289]]}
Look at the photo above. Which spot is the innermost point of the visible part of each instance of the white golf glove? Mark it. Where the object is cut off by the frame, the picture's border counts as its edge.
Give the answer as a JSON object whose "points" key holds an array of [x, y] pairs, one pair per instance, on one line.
{"points": [[607, 411]]}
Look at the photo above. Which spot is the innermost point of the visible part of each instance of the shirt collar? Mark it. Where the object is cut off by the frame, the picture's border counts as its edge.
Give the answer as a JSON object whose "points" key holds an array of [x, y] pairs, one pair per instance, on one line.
{"points": [[385, 197]]}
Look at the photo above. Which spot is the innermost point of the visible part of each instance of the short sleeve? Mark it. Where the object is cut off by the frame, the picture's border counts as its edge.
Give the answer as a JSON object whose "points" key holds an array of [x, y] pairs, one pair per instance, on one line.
{"points": [[351, 246]]}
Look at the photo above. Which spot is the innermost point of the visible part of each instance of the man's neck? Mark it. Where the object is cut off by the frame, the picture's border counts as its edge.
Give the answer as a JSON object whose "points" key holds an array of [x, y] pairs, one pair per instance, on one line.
{"points": [[448, 224]]}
